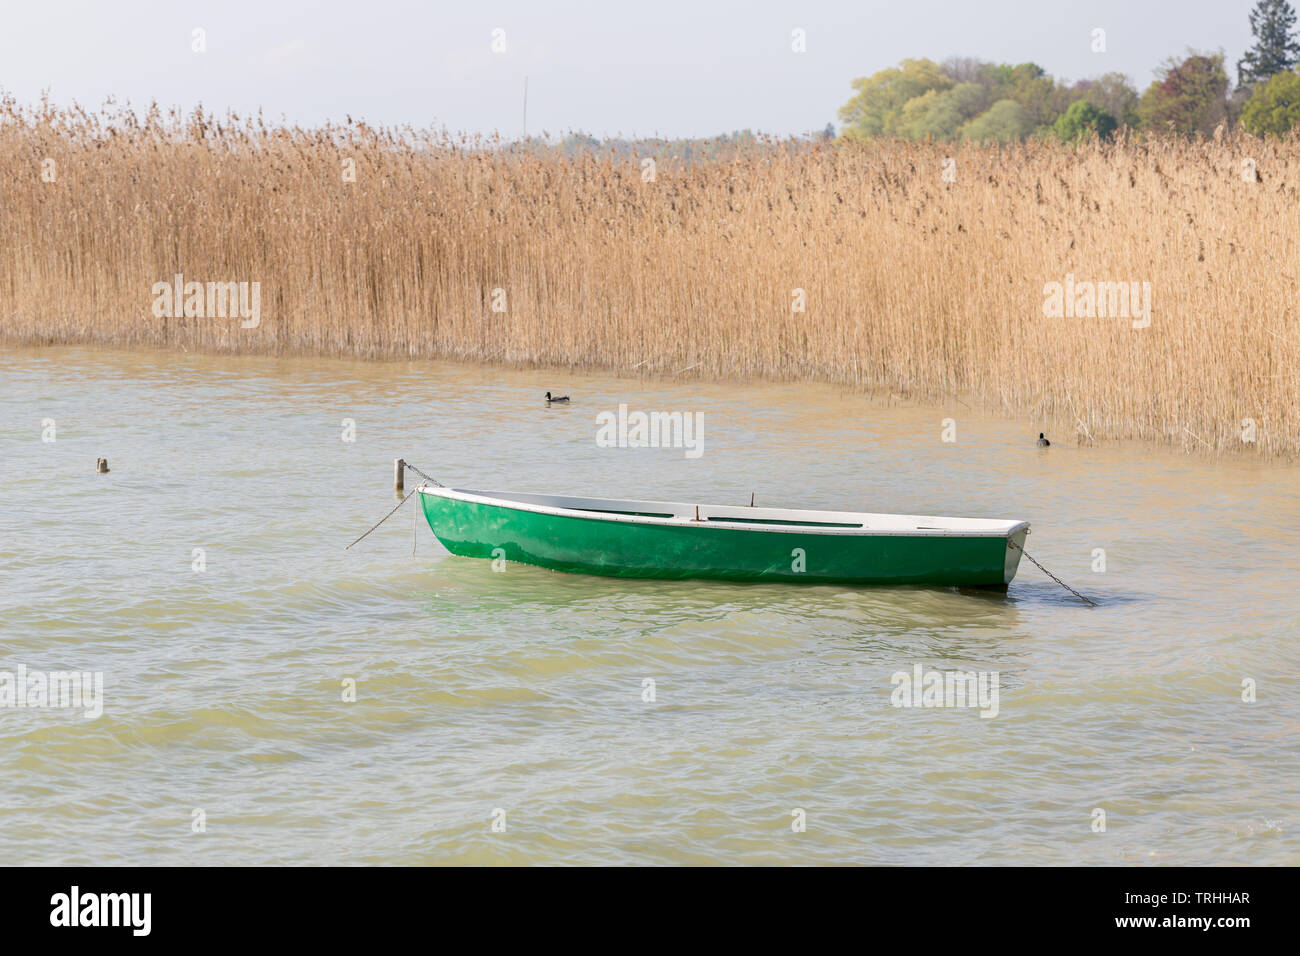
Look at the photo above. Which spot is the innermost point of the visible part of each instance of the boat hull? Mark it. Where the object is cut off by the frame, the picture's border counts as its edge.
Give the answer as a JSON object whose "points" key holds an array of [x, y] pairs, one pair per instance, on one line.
{"points": [[592, 545]]}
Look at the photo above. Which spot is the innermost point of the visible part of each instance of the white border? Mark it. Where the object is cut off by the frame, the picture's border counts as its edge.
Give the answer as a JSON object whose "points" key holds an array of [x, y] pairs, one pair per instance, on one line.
{"points": [[919, 526]]}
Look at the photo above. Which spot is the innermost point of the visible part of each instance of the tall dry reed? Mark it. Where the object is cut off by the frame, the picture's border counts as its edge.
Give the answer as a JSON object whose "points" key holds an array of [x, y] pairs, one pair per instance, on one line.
{"points": [[913, 284]]}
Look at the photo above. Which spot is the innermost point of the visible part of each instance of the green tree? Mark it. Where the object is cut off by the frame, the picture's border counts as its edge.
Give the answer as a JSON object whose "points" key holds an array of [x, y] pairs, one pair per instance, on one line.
{"points": [[939, 115], [877, 108], [1188, 96], [1030, 86], [1083, 119], [1274, 107], [1005, 121], [1272, 24], [1113, 93]]}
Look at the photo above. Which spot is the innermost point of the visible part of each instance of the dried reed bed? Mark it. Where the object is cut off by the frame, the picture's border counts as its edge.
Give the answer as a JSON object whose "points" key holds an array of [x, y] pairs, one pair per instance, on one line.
{"points": [[925, 288]]}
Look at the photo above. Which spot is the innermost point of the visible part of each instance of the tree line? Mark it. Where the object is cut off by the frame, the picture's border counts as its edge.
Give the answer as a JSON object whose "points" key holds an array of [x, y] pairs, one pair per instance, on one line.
{"points": [[969, 99]]}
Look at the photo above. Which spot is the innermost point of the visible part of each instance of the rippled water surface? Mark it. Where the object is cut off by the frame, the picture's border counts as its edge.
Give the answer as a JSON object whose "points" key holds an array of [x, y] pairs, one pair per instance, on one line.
{"points": [[522, 691]]}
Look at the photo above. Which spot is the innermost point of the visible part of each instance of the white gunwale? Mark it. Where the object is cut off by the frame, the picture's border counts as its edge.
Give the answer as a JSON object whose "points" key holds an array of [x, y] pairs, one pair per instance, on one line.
{"points": [[715, 516]]}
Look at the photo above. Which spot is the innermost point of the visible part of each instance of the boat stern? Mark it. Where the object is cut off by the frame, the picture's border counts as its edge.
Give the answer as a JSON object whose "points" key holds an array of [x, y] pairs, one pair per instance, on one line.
{"points": [[1015, 547]]}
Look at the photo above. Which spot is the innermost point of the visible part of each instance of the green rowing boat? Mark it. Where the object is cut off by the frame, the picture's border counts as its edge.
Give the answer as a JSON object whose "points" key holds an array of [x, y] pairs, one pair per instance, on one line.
{"points": [[663, 539]]}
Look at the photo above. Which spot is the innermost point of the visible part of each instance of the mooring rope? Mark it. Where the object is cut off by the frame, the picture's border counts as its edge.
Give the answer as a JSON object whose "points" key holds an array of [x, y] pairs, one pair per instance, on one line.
{"points": [[1086, 600]]}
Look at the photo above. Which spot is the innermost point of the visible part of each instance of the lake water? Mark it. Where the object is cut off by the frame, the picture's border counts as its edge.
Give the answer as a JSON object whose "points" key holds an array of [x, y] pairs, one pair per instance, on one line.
{"points": [[523, 691]]}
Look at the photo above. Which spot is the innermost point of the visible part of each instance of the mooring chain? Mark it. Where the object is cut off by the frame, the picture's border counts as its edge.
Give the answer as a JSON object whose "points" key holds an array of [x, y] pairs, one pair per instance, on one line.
{"points": [[432, 481], [387, 516], [1087, 601]]}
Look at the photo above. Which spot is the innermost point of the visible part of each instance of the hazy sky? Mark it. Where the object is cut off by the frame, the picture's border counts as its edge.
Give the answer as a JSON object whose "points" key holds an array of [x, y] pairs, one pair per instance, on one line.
{"points": [[667, 67]]}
